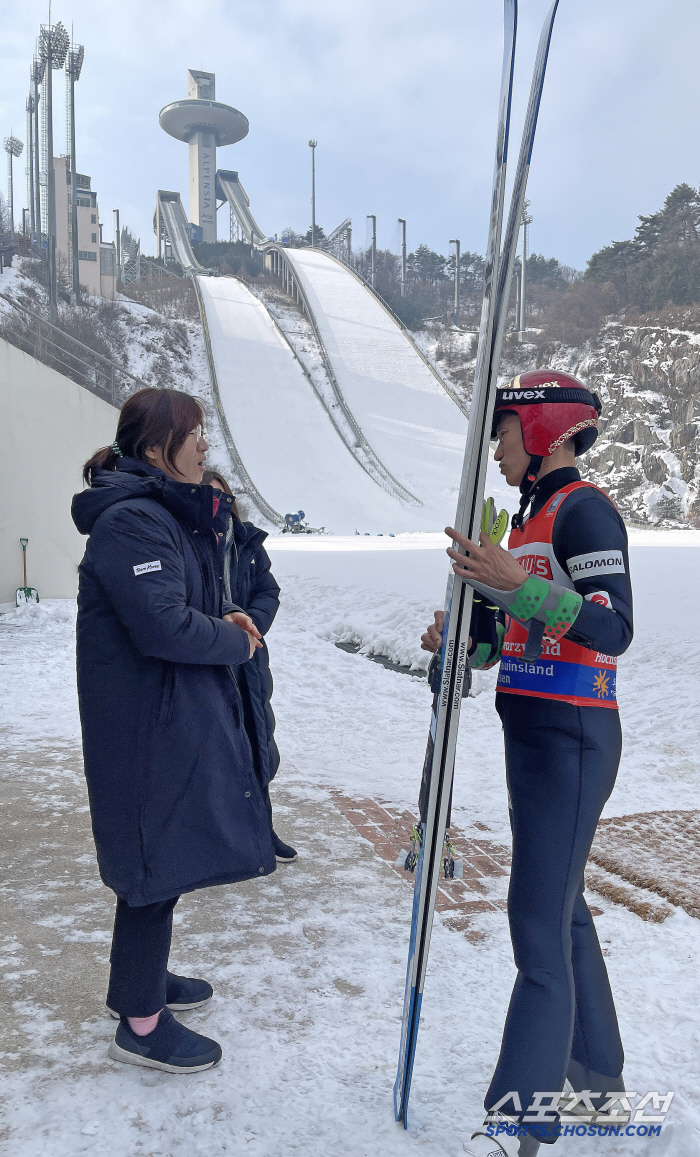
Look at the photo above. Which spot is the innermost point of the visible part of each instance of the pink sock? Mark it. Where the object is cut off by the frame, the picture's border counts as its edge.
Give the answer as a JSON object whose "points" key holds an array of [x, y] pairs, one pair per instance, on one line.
{"points": [[142, 1025]]}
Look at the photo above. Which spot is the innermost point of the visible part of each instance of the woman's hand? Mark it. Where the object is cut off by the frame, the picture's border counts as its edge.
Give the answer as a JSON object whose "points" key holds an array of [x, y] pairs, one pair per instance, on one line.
{"points": [[246, 624], [487, 563]]}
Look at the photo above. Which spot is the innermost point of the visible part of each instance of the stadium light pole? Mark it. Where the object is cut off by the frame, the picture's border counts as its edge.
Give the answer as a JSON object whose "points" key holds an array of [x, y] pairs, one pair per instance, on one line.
{"points": [[312, 146], [74, 64], [30, 161], [118, 244], [13, 147], [371, 217], [54, 43], [402, 223], [526, 220], [37, 75], [457, 248]]}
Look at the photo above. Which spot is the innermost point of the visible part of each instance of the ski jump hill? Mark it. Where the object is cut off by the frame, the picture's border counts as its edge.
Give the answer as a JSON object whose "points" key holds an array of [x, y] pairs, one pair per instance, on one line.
{"points": [[373, 445]]}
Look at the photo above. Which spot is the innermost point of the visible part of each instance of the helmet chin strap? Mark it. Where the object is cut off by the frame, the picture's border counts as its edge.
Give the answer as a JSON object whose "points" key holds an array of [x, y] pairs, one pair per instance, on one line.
{"points": [[527, 486]]}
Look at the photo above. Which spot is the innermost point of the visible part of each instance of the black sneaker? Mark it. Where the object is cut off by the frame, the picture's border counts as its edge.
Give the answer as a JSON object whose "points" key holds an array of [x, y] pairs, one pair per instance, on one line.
{"points": [[284, 854], [182, 993], [171, 1047]]}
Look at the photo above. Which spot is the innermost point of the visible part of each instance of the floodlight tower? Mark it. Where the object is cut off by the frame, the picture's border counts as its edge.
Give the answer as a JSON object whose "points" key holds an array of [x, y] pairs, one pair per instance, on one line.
{"points": [[29, 170], [74, 64], [54, 43], [205, 125], [13, 147], [37, 76]]}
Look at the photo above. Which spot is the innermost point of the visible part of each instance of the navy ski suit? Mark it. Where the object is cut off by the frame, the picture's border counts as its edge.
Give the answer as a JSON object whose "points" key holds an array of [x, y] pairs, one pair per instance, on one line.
{"points": [[561, 763]]}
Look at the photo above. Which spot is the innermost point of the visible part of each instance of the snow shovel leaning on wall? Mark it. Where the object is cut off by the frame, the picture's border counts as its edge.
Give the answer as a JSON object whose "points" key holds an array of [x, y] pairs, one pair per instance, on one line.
{"points": [[25, 594]]}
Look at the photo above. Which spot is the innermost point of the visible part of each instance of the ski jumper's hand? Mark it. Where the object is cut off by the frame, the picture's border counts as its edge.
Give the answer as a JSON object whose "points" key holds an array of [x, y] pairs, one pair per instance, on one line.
{"points": [[432, 639], [246, 624], [486, 563]]}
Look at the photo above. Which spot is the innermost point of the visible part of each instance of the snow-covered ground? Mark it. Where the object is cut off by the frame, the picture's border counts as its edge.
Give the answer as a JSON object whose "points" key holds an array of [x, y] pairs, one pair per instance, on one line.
{"points": [[309, 968]]}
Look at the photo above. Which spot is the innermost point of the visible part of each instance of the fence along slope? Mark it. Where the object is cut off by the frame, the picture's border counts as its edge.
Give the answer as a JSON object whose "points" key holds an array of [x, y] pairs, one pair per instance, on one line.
{"points": [[283, 433], [413, 426]]}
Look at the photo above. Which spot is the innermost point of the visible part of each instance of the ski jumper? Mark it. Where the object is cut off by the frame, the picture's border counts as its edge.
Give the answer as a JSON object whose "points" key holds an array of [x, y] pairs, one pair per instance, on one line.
{"points": [[563, 743]]}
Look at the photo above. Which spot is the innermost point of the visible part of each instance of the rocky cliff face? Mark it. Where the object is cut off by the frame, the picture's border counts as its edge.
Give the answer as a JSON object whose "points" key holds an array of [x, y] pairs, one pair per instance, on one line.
{"points": [[647, 457], [648, 454]]}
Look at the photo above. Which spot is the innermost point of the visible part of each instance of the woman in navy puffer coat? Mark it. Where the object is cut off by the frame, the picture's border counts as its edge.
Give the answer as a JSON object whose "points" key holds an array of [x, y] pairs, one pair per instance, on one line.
{"points": [[175, 800]]}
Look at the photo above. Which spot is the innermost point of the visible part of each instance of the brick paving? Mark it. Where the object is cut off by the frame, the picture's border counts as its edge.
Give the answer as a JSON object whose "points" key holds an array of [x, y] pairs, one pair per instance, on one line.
{"points": [[388, 829], [656, 852]]}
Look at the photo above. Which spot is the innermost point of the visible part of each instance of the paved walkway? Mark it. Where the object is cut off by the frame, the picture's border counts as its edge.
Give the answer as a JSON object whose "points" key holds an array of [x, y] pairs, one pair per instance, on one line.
{"points": [[307, 965], [55, 914]]}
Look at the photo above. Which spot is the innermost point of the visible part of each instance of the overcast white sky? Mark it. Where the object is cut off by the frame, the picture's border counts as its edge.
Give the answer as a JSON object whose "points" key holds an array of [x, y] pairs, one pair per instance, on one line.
{"points": [[401, 95]]}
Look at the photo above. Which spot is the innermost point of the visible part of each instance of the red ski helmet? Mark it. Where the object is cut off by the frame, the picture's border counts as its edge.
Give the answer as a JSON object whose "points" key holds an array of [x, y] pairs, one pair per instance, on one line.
{"points": [[553, 407]]}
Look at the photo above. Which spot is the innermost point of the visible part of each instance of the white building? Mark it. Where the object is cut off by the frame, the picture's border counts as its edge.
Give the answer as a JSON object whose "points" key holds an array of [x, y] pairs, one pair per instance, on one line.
{"points": [[98, 266]]}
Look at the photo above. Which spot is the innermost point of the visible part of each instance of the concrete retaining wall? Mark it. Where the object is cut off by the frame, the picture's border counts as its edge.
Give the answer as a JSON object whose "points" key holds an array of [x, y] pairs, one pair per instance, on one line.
{"points": [[49, 427]]}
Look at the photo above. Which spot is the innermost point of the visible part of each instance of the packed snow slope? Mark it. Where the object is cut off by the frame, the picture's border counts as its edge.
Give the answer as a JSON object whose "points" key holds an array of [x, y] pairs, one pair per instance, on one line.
{"points": [[281, 431], [409, 420]]}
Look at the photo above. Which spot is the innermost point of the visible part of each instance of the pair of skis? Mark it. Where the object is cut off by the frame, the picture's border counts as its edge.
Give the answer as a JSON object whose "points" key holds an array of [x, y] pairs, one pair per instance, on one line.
{"points": [[438, 769]]}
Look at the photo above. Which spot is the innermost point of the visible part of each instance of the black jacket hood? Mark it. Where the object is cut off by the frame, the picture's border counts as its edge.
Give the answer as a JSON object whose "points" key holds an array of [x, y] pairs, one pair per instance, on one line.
{"points": [[190, 504]]}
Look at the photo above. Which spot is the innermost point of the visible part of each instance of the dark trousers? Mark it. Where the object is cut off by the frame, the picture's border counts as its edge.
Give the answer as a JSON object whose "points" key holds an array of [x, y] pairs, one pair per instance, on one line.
{"points": [[561, 765], [139, 957]]}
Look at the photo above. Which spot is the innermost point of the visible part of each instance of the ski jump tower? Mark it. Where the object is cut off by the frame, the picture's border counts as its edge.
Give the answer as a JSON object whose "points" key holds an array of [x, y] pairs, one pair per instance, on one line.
{"points": [[205, 125]]}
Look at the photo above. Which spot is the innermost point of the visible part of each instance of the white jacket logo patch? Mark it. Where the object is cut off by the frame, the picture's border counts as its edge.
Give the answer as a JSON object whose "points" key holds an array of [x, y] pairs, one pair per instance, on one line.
{"points": [[599, 562], [145, 567]]}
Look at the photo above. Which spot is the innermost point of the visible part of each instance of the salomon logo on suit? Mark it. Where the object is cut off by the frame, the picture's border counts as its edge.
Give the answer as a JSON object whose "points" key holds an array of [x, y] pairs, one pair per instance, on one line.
{"points": [[599, 562]]}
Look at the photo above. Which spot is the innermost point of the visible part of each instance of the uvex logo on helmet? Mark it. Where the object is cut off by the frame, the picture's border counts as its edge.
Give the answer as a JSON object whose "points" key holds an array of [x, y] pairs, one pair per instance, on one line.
{"points": [[553, 407]]}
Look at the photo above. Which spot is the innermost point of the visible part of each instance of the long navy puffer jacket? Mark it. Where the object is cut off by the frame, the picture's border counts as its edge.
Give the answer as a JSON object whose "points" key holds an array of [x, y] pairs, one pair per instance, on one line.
{"points": [[174, 798], [250, 585]]}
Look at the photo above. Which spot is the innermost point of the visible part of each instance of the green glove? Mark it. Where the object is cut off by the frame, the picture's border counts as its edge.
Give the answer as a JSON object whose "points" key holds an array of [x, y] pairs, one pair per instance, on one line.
{"points": [[546, 607], [538, 599], [493, 525]]}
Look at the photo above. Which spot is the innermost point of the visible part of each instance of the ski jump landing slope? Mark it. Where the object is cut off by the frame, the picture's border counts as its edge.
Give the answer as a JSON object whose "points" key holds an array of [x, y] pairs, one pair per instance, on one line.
{"points": [[409, 420], [282, 432]]}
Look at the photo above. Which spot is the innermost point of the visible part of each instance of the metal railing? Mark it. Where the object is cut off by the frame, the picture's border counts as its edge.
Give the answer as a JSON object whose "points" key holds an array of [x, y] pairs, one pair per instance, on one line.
{"points": [[48, 344]]}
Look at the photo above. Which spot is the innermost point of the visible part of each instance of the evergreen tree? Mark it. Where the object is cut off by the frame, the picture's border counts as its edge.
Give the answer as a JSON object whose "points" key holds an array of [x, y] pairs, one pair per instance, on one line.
{"points": [[426, 265], [661, 264]]}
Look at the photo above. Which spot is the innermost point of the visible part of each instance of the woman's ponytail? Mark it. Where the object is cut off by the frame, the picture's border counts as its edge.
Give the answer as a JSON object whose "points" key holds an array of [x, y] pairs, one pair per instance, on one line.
{"points": [[104, 459]]}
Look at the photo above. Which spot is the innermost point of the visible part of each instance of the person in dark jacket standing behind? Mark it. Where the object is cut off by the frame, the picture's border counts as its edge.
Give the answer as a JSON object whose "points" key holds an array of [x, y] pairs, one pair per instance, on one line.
{"points": [[174, 798], [248, 583]]}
